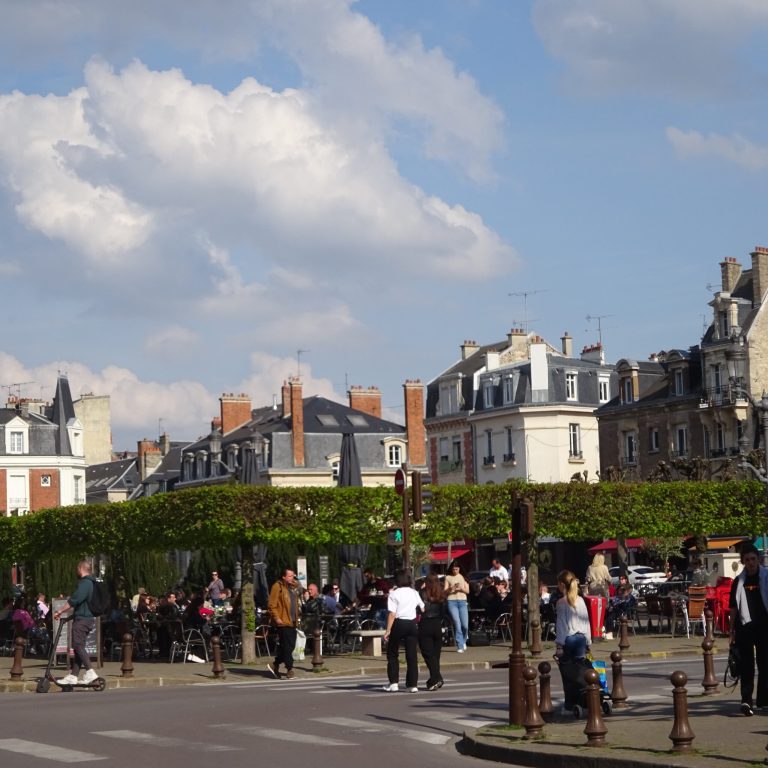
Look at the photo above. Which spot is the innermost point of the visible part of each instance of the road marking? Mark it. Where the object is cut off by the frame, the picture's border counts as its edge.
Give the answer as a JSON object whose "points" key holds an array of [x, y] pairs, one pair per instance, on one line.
{"points": [[48, 751], [154, 740], [365, 726], [280, 735], [473, 721]]}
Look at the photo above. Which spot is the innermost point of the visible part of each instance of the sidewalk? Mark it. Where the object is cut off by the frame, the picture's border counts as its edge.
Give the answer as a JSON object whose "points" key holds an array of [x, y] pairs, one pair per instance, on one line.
{"points": [[637, 735]]}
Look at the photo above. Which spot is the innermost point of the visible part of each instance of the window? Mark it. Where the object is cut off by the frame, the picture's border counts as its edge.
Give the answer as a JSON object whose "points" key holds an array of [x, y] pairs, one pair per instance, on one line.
{"points": [[574, 441], [681, 440], [717, 378], [653, 440], [78, 483], [456, 456], [720, 437], [509, 440], [200, 458], [604, 389], [723, 324], [394, 455], [232, 457], [444, 449], [630, 449], [357, 420], [335, 470], [508, 390], [45, 481], [679, 387], [327, 420], [448, 398], [488, 459], [626, 391], [16, 443], [571, 392], [488, 394]]}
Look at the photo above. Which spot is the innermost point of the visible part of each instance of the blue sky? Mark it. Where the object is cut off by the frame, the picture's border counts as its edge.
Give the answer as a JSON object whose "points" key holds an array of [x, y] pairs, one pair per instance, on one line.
{"points": [[192, 192]]}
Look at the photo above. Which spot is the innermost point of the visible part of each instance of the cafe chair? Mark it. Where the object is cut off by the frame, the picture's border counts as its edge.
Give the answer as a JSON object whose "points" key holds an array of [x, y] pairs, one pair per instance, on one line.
{"points": [[186, 641]]}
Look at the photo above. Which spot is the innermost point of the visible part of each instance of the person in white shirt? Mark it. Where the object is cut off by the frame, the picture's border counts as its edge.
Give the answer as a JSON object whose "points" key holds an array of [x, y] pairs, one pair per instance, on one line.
{"points": [[498, 571], [403, 603]]}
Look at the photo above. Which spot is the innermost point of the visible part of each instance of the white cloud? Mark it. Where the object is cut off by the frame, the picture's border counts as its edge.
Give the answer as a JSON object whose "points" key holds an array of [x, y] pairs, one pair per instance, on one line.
{"points": [[170, 340], [735, 149]]}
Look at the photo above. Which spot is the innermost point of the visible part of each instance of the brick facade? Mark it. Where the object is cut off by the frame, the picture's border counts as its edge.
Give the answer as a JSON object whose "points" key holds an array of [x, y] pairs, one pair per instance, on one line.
{"points": [[366, 400], [414, 423], [44, 496], [235, 411]]}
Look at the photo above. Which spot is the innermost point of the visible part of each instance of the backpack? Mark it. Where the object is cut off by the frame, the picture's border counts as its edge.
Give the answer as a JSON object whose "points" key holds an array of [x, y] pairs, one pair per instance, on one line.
{"points": [[100, 601]]}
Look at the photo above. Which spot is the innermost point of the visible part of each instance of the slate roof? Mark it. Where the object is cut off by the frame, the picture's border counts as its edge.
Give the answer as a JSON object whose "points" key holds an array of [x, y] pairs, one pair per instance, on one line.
{"points": [[100, 479], [63, 413]]}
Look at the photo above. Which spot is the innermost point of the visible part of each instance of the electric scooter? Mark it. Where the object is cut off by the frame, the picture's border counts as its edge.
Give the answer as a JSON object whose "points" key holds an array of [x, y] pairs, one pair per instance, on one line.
{"points": [[44, 683]]}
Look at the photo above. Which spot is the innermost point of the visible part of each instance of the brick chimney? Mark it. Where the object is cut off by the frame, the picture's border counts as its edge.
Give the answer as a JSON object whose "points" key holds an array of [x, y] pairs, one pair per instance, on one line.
{"points": [[414, 423], [468, 348], [235, 411], [759, 274], [366, 400], [566, 340], [517, 339], [297, 421], [286, 396], [730, 269], [149, 457]]}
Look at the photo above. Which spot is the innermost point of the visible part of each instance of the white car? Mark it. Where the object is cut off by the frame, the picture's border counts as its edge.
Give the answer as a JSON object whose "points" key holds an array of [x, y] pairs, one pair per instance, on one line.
{"points": [[638, 575]]}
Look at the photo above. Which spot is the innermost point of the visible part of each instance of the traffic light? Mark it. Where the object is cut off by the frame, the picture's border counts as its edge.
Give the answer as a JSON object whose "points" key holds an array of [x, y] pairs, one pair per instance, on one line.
{"points": [[394, 537], [526, 518], [422, 494]]}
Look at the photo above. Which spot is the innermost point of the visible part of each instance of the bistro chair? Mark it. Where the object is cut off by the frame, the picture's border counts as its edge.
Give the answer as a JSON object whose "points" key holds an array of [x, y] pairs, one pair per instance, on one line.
{"points": [[697, 600], [186, 640]]}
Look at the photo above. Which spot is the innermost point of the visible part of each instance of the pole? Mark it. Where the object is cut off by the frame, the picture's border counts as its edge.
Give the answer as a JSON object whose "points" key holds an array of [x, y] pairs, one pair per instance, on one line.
{"points": [[406, 529], [516, 658]]}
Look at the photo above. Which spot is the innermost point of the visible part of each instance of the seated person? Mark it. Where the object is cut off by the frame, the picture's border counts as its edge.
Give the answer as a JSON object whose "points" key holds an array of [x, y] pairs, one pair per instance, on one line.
{"points": [[25, 625], [375, 593], [490, 601], [194, 616], [331, 604], [620, 605]]}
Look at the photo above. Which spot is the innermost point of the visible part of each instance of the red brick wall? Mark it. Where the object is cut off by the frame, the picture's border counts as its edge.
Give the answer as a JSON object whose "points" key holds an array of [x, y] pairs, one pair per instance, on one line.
{"points": [[297, 422], [414, 423], [44, 497], [235, 411], [366, 400], [433, 460]]}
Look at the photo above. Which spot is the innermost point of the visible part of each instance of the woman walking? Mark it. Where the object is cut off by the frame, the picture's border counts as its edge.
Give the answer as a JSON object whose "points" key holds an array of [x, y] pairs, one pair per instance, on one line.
{"points": [[403, 603], [456, 591], [598, 577], [431, 629], [573, 637]]}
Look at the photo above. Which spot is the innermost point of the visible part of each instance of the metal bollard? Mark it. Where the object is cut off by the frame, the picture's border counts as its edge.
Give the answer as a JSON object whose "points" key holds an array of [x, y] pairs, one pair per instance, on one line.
{"points": [[534, 723], [218, 667], [536, 638], [126, 668], [545, 690], [623, 634], [17, 671], [317, 641], [618, 694], [709, 683], [681, 735], [595, 729], [709, 623]]}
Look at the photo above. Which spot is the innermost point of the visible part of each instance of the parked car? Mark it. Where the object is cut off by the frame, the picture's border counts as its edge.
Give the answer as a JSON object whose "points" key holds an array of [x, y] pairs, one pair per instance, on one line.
{"points": [[638, 575], [476, 576]]}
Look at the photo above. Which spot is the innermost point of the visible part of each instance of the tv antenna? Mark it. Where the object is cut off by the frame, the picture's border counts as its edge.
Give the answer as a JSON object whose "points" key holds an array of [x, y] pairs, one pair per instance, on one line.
{"points": [[18, 385], [599, 319], [299, 353], [525, 295]]}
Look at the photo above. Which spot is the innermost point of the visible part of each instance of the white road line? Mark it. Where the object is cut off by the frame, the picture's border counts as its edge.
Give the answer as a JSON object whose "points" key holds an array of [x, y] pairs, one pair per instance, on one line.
{"points": [[153, 740], [280, 735], [365, 726], [472, 721], [48, 751]]}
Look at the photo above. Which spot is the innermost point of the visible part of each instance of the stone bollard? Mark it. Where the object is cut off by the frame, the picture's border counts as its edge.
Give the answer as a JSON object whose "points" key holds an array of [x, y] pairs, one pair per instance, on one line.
{"points": [[17, 671], [218, 667], [595, 729], [126, 668], [534, 723], [681, 735], [317, 641], [618, 694], [709, 683], [536, 638], [623, 634], [545, 690], [709, 623]]}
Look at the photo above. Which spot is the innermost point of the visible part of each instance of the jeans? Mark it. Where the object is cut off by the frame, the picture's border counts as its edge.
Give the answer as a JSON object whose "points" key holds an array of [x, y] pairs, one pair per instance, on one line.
{"points": [[286, 642], [81, 628], [575, 646], [459, 611]]}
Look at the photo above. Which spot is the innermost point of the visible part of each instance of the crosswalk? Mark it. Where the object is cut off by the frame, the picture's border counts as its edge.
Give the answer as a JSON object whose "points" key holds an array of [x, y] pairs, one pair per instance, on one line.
{"points": [[431, 726]]}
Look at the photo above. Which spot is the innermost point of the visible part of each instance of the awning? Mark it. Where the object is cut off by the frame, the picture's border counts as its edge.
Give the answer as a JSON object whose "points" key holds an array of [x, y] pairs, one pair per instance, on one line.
{"points": [[440, 555], [609, 545], [718, 544]]}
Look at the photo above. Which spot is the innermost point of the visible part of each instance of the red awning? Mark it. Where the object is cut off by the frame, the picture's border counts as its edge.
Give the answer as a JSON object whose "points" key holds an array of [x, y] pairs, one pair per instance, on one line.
{"points": [[609, 545], [440, 555]]}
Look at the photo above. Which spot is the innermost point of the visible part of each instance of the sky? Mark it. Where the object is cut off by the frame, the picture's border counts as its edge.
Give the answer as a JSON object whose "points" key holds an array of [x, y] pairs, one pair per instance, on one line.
{"points": [[205, 197]]}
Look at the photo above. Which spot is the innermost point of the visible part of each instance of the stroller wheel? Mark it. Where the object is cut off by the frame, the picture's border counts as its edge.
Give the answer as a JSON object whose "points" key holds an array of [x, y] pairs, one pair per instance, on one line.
{"points": [[577, 712], [607, 707]]}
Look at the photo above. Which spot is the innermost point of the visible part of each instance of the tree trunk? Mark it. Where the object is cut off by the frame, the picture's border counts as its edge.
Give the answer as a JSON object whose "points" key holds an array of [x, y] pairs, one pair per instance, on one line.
{"points": [[534, 599], [247, 607], [622, 555]]}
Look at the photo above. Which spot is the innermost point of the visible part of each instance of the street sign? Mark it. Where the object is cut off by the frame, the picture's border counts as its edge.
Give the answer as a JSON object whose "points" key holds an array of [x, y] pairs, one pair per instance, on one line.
{"points": [[400, 482]]}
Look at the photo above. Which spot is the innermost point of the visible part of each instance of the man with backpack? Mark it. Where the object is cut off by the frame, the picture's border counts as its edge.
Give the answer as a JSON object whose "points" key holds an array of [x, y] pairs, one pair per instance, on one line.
{"points": [[82, 624]]}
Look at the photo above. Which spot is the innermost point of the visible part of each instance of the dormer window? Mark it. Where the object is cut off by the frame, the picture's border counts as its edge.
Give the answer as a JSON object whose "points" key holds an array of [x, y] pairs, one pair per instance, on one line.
{"points": [[508, 390], [16, 442], [16, 436], [627, 396], [571, 390], [488, 394], [449, 402], [679, 383], [604, 389]]}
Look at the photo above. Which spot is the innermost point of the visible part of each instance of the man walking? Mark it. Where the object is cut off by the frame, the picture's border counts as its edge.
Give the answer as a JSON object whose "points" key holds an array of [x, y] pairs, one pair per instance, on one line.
{"points": [[82, 624], [284, 612], [749, 627]]}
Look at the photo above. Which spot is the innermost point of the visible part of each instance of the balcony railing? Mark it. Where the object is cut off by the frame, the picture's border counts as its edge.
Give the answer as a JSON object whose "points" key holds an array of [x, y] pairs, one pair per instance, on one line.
{"points": [[683, 454], [449, 465], [628, 461], [727, 394], [488, 461], [719, 453], [509, 458], [575, 454]]}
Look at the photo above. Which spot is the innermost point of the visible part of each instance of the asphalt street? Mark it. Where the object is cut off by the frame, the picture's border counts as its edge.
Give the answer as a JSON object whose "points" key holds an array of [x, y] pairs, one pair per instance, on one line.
{"points": [[338, 721]]}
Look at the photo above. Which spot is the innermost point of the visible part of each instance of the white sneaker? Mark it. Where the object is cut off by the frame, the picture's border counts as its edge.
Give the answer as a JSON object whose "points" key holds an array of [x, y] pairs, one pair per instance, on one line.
{"points": [[69, 679], [392, 688], [460, 650], [90, 676], [413, 690]]}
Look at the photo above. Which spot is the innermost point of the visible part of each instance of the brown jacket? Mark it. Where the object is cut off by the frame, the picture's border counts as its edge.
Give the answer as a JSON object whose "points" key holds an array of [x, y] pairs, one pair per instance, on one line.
{"points": [[280, 604]]}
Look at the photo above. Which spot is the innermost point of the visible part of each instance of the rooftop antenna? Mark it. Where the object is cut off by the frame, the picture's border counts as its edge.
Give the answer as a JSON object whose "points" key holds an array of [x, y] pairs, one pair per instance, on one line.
{"points": [[18, 385], [160, 427], [599, 319], [713, 287], [525, 295], [299, 353]]}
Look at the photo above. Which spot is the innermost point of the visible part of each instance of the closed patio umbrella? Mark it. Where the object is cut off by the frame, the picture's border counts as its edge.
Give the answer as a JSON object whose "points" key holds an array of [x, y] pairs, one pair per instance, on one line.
{"points": [[349, 463]]}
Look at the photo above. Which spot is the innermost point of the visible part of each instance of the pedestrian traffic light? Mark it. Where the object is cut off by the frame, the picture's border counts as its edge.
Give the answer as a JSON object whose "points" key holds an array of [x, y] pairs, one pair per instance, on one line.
{"points": [[422, 494], [526, 518], [394, 537]]}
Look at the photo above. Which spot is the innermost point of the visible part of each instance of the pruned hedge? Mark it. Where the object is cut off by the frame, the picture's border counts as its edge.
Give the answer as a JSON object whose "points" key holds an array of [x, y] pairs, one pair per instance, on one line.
{"points": [[234, 514]]}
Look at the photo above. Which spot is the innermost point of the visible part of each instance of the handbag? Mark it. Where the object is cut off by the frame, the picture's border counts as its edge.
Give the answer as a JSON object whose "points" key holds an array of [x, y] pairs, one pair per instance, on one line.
{"points": [[301, 644], [732, 668]]}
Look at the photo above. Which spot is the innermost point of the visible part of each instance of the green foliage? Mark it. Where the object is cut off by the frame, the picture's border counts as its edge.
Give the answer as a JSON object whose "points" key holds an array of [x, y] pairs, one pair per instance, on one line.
{"points": [[313, 519]]}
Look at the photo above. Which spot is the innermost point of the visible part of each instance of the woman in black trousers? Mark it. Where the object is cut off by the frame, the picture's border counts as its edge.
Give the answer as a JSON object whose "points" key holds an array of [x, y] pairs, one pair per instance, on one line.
{"points": [[403, 605], [431, 629]]}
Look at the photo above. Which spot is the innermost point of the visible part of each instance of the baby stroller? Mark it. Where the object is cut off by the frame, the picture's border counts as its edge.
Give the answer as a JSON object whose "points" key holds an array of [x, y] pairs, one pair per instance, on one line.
{"points": [[575, 688]]}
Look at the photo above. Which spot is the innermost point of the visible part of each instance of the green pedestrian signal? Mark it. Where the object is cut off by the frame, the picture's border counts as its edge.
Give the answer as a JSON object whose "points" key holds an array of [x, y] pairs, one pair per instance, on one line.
{"points": [[395, 537]]}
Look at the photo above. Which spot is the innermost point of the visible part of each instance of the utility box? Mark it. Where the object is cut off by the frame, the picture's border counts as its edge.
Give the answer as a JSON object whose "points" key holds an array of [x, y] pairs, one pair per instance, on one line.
{"points": [[717, 564]]}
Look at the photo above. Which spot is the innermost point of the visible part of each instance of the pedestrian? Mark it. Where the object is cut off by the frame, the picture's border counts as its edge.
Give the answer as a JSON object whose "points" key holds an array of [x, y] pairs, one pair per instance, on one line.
{"points": [[749, 627], [284, 613], [573, 635], [498, 571], [598, 576], [431, 629], [215, 590], [456, 592], [82, 625], [403, 605]]}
